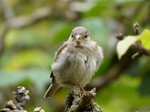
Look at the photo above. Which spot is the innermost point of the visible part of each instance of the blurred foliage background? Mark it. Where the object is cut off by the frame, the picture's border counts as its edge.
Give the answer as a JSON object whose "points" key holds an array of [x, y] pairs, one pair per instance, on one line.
{"points": [[32, 30]]}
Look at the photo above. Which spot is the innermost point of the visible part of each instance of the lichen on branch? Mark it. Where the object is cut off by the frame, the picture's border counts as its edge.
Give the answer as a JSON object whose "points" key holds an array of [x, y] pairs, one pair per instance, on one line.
{"points": [[81, 101]]}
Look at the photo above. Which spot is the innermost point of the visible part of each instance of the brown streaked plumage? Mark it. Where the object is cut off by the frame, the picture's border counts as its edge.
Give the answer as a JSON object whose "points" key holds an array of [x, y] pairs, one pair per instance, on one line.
{"points": [[76, 61]]}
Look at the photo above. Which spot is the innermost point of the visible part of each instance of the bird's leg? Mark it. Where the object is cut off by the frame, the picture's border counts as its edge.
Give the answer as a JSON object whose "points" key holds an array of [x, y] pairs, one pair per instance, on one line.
{"points": [[81, 88], [72, 84]]}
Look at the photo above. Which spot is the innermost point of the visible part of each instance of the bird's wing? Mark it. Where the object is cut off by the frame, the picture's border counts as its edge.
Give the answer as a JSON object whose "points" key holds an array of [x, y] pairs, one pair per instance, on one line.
{"points": [[99, 56], [56, 57], [60, 50]]}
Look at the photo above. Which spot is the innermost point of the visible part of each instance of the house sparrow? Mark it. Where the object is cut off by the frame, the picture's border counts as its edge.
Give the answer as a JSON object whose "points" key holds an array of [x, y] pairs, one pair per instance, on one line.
{"points": [[76, 61]]}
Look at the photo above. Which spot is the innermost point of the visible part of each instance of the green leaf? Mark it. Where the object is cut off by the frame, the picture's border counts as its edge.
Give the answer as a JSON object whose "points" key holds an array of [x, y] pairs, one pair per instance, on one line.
{"points": [[145, 38], [124, 45]]}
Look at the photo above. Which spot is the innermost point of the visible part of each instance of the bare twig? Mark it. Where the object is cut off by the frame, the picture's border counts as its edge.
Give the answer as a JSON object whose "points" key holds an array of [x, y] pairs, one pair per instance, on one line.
{"points": [[7, 10], [17, 22], [136, 50], [8, 14], [135, 14], [137, 45], [27, 20], [2, 36], [113, 72]]}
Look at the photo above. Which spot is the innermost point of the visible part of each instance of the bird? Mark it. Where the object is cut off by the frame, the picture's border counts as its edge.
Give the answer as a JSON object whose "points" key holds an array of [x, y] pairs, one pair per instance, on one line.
{"points": [[76, 61]]}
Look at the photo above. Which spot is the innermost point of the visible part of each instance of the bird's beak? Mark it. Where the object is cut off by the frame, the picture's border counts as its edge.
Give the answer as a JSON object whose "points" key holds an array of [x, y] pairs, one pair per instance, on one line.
{"points": [[78, 38]]}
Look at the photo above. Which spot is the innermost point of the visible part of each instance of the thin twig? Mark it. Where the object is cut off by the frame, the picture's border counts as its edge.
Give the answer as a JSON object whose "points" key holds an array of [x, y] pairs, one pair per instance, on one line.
{"points": [[27, 20], [2, 36], [135, 51], [17, 22]]}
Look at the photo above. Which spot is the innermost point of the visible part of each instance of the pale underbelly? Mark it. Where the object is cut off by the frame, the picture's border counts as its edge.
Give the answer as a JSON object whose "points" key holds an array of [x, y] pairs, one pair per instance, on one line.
{"points": [[75, 70]]}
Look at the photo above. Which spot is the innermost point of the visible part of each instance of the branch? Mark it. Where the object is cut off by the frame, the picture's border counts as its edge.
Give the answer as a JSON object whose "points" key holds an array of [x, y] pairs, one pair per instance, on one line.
{"points": [[138, 45], [17, 22], [2, 36], [135, 51], [8, 14], [81, 101], [140, 49], [114, 72], [21, 96], [7, 10], [27, 20]]}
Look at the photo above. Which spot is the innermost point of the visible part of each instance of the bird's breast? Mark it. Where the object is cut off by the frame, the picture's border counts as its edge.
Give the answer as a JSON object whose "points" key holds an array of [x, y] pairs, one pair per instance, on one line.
{"points": [[74, 66]]}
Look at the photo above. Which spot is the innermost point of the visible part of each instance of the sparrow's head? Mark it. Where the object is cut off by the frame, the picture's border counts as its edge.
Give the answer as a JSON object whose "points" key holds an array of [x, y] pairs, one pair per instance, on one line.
{"points": [[80, 35]]}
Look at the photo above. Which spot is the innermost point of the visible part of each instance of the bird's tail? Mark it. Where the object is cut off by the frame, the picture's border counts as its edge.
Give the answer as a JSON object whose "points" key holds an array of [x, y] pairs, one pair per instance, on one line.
{"points": [[52, 89]]}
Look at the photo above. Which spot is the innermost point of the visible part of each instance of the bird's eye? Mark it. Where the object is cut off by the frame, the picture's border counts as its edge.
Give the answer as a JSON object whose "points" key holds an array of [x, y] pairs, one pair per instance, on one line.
{"points": [[85, 36], [72, 35]]}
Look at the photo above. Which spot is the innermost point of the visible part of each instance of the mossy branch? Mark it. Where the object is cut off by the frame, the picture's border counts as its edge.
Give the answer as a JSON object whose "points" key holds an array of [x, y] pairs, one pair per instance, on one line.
{"points": [[21, 96], [81, 101]]}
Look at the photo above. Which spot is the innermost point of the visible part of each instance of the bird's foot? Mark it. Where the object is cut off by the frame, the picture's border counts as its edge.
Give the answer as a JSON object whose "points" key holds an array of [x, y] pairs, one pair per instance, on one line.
{"points": [[72, 84], [81, 88]]}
